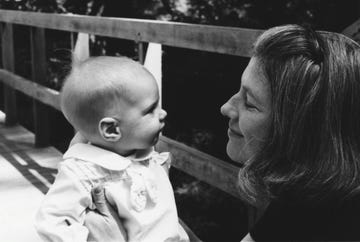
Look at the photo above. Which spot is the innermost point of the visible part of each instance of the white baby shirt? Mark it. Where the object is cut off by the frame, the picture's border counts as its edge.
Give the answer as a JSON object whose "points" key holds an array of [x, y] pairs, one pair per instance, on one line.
{"points": [[139, 189]]}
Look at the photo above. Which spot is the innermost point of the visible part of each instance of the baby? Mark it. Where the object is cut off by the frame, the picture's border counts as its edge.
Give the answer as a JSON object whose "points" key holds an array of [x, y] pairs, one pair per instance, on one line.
{"points": [[113, 102]]}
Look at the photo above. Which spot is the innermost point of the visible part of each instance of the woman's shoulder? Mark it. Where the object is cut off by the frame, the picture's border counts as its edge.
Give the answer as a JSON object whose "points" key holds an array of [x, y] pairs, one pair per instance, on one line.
{"points": [[296, 220]]}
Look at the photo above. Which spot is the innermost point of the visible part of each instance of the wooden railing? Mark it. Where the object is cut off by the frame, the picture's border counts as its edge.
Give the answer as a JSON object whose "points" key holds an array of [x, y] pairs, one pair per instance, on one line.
{"points": [[224, 40]]}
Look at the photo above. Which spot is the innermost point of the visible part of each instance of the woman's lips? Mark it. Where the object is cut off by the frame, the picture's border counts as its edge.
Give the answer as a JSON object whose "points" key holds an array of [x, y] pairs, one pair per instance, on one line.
{"points": [[233, 133]]}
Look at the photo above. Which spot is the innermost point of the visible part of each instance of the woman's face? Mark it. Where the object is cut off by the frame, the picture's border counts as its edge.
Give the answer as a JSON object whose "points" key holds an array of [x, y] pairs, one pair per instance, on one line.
{"points": [[249, 112]]}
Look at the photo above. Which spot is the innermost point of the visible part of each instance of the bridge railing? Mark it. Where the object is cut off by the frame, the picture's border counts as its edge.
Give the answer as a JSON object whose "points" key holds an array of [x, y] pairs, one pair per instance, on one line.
{"points": [[224, 40]]}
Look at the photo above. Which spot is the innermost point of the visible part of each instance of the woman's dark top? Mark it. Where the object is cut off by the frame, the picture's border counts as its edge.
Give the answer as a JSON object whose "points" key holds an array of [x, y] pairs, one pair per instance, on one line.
{"points": [[298, 221]]}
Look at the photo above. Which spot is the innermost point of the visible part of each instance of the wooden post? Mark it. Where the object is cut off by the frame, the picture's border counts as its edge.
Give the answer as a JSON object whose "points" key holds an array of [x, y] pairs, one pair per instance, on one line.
{"points": [[153, 62], [255, 213], [7, 43], [72, 40], [38, 62], [141, 52], [251, 216]]}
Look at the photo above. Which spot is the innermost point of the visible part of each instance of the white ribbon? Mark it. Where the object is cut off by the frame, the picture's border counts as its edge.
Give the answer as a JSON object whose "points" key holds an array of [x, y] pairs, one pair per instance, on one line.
{"points": [[142, 188]]}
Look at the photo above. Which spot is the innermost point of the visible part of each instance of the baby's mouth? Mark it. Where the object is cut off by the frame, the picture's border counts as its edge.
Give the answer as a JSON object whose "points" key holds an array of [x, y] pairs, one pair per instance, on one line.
{"points": [[161, 128], [159, 133]]}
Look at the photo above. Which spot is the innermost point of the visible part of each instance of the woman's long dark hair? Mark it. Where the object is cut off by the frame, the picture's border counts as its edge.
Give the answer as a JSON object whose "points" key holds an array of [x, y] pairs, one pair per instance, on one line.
{"points": [[312, 151]]}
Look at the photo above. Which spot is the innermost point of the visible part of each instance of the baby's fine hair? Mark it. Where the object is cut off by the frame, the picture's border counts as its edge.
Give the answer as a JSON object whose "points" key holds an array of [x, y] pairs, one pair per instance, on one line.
{"points": [[93, 88]]}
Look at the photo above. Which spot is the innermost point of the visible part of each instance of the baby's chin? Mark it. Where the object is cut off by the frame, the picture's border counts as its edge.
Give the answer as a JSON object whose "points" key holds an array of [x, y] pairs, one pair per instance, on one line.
{"points": [[156, 137], [155, 140], [150, 143]]}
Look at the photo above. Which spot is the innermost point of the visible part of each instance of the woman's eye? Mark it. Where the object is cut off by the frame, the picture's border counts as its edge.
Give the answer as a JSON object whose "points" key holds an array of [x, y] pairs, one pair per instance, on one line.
{"points": [[247, 105]]}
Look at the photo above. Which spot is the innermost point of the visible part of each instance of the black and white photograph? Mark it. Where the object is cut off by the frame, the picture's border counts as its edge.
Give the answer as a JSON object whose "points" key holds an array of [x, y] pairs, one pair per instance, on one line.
{"points": [[179, 120]]}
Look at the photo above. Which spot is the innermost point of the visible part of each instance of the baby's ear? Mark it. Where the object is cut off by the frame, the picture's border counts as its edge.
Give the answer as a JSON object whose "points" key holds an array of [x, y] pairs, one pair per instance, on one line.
{"points": [[109, 129]]}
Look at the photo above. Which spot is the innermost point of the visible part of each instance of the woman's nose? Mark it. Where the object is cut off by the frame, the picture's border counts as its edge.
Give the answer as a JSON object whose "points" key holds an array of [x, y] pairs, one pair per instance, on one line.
{"points": [[228, 109], [162, 115], [224, 109]]}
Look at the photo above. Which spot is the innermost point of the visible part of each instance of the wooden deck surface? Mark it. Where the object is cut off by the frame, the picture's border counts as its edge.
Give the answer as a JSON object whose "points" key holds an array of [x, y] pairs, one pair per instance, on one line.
{"points": [[26, 173]]}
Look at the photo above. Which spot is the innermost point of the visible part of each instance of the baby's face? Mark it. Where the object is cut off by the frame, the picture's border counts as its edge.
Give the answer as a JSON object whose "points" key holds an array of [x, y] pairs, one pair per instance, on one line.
{"points": [[142, 119]]}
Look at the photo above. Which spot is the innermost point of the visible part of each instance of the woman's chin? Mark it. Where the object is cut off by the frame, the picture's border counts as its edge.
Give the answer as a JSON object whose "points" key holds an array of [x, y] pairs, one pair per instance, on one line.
{"points": [[236, 153]]}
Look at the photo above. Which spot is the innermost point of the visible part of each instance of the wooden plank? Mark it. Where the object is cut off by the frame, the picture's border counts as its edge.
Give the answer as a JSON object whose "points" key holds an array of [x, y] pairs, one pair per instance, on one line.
{"points": [[38, 64], [43, 94], [16, 138], [26, 173], [353, 31], [204, 167], [225, 40], [7, 43], [153, 62], [141, 52]]}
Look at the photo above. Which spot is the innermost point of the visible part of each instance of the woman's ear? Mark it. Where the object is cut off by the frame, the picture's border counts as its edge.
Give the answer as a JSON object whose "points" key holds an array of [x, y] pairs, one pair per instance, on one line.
{"points": [[109, 129]]}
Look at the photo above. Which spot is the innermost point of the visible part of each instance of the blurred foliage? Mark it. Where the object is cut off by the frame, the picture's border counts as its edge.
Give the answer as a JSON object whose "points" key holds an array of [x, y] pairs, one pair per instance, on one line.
{"points": [[321, 14], [48, 6]]}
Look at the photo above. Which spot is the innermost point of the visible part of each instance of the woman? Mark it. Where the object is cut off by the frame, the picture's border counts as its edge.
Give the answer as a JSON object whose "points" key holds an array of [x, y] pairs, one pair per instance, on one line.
{"points": [[295, 125]]}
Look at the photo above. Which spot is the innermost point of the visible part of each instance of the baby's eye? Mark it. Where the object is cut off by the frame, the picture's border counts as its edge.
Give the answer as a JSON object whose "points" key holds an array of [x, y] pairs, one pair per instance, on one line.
{"points": [[151, 110]]}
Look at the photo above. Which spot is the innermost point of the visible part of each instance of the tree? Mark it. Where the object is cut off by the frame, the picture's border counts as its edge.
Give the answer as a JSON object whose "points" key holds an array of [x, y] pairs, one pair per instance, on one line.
{"points": [[332, 15]]}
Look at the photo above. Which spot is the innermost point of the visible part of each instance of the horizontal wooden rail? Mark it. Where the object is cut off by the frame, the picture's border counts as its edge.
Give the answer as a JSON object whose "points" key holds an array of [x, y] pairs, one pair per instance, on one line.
{"points": [[218, 173], [225, 40], [39, 92], [353, 31]]}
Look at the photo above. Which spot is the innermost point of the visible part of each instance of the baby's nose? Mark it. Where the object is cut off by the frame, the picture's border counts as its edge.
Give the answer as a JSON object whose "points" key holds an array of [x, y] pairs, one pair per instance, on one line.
{"points": [[162, 115]]}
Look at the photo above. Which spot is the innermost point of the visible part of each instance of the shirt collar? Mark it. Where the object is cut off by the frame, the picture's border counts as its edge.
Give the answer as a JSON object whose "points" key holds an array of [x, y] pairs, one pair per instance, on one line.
{"points": [[105, 158]]}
